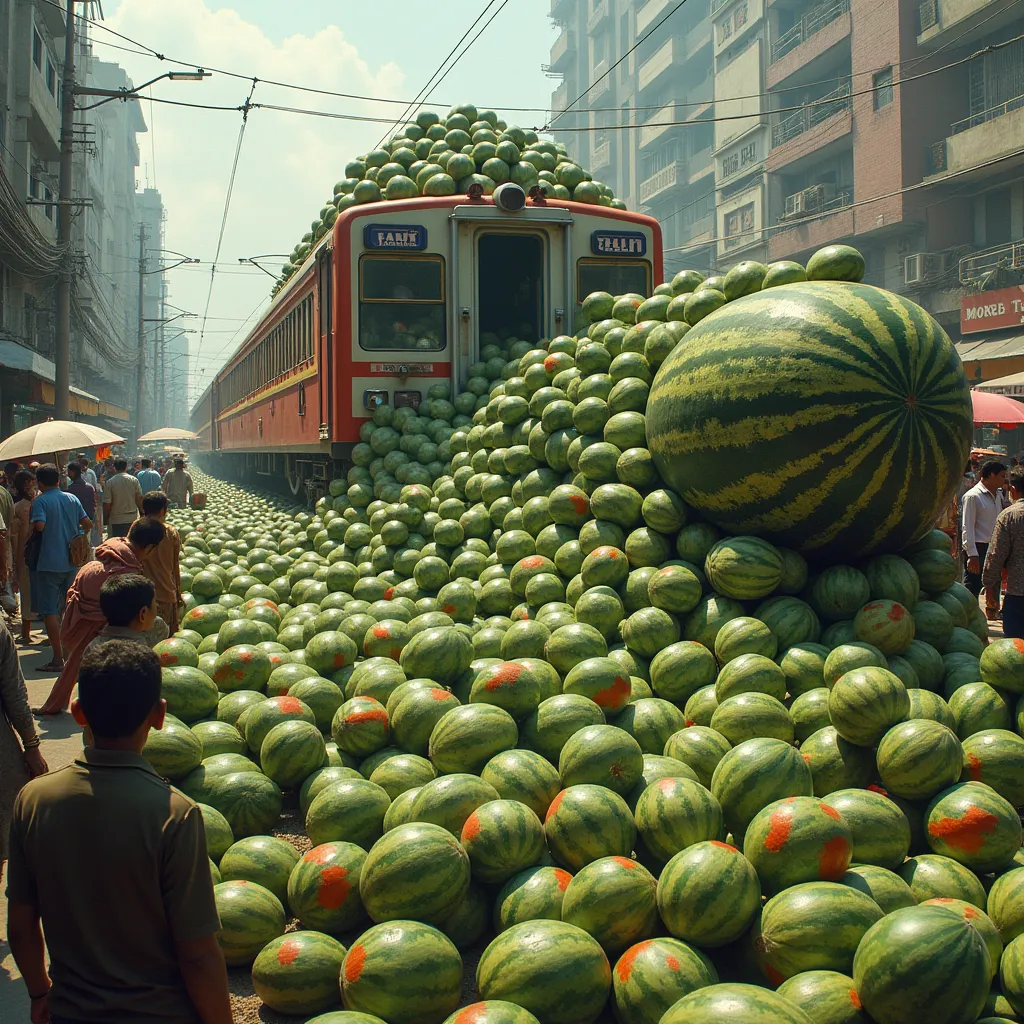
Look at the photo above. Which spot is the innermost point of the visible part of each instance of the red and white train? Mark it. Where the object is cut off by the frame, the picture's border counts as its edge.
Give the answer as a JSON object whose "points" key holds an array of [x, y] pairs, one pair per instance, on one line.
{"points": [[396, 296]]}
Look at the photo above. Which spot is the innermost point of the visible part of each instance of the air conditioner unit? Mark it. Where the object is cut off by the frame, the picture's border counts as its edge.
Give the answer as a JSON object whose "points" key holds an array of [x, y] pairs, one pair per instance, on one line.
{"points": [[923, 267], [795, 206]]}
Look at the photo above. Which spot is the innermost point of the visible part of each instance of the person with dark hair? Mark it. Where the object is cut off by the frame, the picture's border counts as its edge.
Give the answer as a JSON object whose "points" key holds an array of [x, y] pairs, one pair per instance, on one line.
{"points": [[82, 490], [111, 861], [177, 484], [59, 517], [122, 500], [84, 618], [980, 506], [162, 566], [1006, 551], [21, 530], [149, 478], [128, 600]]}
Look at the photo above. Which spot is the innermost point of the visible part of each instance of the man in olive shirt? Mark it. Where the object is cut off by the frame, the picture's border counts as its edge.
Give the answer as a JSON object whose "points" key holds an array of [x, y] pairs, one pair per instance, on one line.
{"points": [[122, 500], [112, 861]]}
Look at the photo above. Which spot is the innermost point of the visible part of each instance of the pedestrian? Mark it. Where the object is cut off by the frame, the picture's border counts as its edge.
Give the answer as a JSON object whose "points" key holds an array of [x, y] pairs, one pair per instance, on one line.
{"points": [[128, 601], [20, 759], [149, 478], [21, 530], [10, 471], [122, 500], [162, 565], [84, 618], [111, 862], [177, 485], [1006, 551], [84, 492], [6, 548], [94, 478], [981, 505], [58, 517]]}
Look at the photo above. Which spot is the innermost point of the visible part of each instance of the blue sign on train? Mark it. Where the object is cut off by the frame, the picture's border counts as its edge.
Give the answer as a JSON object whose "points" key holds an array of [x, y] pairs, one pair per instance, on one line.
{"points": [[618, 243], [395, 236]]}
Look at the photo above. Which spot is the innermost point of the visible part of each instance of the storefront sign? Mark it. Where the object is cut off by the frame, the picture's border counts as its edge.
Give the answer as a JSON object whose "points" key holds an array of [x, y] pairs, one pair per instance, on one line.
{"points": [[395, 236], [618, 243], [992, 311]]}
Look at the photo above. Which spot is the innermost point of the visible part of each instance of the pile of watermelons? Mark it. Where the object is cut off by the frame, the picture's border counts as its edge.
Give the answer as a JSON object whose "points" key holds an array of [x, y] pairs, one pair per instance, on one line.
{"points": [[580, 674], [444, 156]]}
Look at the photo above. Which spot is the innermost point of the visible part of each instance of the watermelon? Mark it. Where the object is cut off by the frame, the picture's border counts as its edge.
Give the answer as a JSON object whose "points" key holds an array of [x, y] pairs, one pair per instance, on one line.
{"points": [[878, 827], [449, 800], [242, 667], [551, 968], [298, 973], [750, 715], [587, 822], [674, 588], [839, 592], [925, 704], [886, 625], [974, 825], [217, 738], [173, 750], [261, 718], [922, 963], [404, 950], [1002, 664], [743, 568], [743, 1004], [919, 758], [249, 801], [392, 882], [650, 721], [533, 894], [681, 669], [1005, 904], [323, 888], [976, 707], [613, 900], [708, 894], [1011, 974], [466, 738], [509, 685], [602, 680], [351, 811], [502, 838], [835, 763], [360, 726], [790, 620], [492, 1011], [231, 705], [754, 774], [798, 839], [700, 748], [250, 916], [930, 875], [291, 751], [749, 673], [809, 713], [674, 813], [865, 703], [708, 617], [825, 996], [441, 654], [320, 779], [893, 578], [416, 714], [815, 926], [523, 775], [263, 859], [978, 920], [885, 887], [846, 657], [654, 974], [190, 694], [601, 755], [402, 772]]}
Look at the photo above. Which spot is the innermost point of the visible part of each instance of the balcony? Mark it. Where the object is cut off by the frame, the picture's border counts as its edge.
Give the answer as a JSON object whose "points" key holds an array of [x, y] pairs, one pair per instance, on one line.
{"points": [[800, 236], [601, 81], [992, 134], [560, 9], [657, 64], [599, 13], [809, 25], [700, 230], [972, 19], [650, 14], [978, 265], [560, 98], [700, 164], [658, 182], [601, 156], [811, 116], [563, 50]]}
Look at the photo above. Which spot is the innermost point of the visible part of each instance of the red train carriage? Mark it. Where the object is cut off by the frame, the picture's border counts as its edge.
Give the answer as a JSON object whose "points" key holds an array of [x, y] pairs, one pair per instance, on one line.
{"points": [[397, 296]]}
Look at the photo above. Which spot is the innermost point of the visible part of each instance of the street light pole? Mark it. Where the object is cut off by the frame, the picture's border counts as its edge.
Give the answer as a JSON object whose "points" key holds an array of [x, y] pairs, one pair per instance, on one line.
{"points": [[140, 380], [62, 360]]}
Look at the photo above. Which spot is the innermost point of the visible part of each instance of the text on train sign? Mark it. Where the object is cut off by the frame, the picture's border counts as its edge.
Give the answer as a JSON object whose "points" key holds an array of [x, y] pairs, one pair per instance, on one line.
{"points": [[395, 236], [618, 243]]}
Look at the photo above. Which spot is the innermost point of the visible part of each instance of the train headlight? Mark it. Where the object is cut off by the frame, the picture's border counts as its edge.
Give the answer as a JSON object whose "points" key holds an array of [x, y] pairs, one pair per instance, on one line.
{"points": [[509, 197]]}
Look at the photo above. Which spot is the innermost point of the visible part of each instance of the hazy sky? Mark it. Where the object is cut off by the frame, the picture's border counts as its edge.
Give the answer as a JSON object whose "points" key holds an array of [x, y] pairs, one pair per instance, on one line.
{"points": [[289, 162]]}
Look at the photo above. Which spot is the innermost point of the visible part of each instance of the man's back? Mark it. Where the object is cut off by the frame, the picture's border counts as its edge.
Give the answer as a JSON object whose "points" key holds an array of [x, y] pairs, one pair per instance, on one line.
{"points": [[116, 861], [149, 480], [121, 493], [162, 566], [86, 494], [177, 483], [62, 514]]}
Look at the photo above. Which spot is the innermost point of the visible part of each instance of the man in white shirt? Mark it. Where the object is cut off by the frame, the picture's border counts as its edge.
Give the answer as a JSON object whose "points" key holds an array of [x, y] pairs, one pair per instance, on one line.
{"points": [[981, 505]]}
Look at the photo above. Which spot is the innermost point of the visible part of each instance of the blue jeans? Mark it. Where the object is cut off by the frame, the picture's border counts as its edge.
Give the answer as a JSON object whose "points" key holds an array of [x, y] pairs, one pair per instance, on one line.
{"points": [[49, 590]]}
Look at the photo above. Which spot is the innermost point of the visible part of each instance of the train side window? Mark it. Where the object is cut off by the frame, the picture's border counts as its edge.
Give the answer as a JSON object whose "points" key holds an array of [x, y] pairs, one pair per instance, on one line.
{"points": [[615, 276], [401, 302]]}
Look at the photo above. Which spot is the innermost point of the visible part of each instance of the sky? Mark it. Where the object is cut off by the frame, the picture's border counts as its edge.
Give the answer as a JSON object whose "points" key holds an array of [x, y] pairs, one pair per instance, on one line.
{"points": [[288, 163]]}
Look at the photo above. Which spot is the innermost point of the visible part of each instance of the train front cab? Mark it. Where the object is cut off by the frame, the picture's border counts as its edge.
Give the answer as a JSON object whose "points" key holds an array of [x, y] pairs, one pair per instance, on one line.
{"points": [[432, 280]]}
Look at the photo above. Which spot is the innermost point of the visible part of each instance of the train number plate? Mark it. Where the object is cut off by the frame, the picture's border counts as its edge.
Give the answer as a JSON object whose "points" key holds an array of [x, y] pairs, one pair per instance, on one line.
{"points": [[402, 369]]}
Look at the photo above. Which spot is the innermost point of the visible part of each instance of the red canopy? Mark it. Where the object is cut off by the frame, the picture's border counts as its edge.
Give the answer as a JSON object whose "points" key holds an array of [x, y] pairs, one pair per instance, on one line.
{"points": [[1006, 413]]}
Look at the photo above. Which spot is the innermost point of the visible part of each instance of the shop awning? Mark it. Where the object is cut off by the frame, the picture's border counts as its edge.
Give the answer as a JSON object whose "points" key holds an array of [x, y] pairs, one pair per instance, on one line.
{"points": [[991, 348], [1013, 384]]}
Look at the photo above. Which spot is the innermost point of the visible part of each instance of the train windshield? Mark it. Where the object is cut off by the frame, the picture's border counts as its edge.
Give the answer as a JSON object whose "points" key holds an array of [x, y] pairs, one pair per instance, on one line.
{"points": [[618, 277], [511, 292], [401, 302]]}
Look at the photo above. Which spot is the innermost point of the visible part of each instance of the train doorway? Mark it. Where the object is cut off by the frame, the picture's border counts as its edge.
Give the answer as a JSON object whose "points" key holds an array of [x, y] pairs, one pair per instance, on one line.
{"points": [[511, 293]]}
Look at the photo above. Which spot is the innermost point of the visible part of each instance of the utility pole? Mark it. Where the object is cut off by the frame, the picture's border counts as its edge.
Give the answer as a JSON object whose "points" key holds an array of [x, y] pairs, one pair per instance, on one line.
{"points": [[62, 362], [140, 382]]}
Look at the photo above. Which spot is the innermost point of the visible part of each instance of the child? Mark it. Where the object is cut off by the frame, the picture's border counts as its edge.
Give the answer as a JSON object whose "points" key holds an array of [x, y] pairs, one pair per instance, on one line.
{"points": [[129, 603]]}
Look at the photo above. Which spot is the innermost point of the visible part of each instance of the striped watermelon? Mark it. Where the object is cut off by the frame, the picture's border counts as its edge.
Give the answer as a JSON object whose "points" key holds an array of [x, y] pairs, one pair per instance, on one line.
{"points": [[261, 718], [587, 822], [846, 657], [922, 963], [791, 620], [798, 839], [449, 800], [743, 568], [441, 654], [708, 617], [810, 713], [674, 813], [885, 887], [886, 625], [865, 703], [892, 578], [348, 812], [653, 975], [231, 705], [701, 706], [266, 860], [745, 635], [175, 750], [553, 969], [360, 726], [750, 715], [879, 829], [708, 894], [650, 721], [681, 669], [974, 825], [403, 772], [613, 900], [931, 875], [838, 592], [979, 920], [555, 720], [753, 775], [417, 713], [321, 779], [467, 737], [491, 1011], [904, 671], [1005, 905], [250, 916], [674, 588], [466, 924], [927, 664], [298, 973], [523, 775], [404, 972], [1002, 664], [825, 996], [218, 832], [417, 871], [502, 838], [925, 704], [602, 680], [744, 1004], [190, 694], [292, 751], [835, 763], [401, 810], [215, 737], [656, 768], [249, 800], [534, 894], [323, 888], [918, 759], [849, 456], [509, 685], [1011, 974], [837, 633], [815, 926], [750, 673], [601, 755], [699, 747], [977, 707]]}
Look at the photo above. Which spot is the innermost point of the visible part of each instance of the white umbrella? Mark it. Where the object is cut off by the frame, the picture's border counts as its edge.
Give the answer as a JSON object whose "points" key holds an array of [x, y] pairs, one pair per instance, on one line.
{"points": [[55, 436], [169, 434]]}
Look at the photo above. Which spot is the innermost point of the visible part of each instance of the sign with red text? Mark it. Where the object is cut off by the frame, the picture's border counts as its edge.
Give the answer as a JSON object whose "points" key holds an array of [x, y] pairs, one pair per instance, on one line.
{"points": [[992, 311]]}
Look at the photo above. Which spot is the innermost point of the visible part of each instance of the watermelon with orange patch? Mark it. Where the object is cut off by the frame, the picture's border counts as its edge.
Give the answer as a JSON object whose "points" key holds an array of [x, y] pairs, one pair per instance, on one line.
{"points": [[996, 757], [613, 899], [1002, 664], [587, 822], [386, 639], [654, 974], [825, 995], [978, 920], [674, 813], [297, 973], [323, 888], [492, 1011], [360, 726], [417, 713], [502, 838], [602, 680], [886, 625], [971, 823], [534, 894], [509, 685]]}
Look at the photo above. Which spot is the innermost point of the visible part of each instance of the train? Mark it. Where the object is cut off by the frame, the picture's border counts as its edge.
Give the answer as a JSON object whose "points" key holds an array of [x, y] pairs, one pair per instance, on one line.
{"points": [[394, 298]]}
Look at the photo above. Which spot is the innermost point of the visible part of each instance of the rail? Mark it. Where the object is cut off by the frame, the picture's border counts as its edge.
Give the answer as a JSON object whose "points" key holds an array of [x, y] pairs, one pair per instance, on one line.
{"points": [[978, 264], [810, 24], [658, 182], [813, 114], [984, 116], [602, 155]]}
